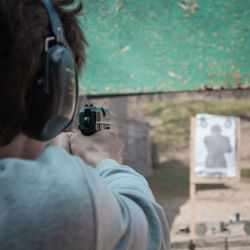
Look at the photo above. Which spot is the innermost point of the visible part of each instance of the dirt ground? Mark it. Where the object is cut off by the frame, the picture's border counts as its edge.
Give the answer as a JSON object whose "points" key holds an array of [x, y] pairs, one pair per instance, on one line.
{"points": [[215, 210], [216, 207]]}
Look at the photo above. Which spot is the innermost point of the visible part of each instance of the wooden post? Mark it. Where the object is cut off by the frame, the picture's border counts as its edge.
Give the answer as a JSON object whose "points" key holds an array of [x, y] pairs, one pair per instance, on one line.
{"points": [[192, 185], [192, 212], [238, 149]]}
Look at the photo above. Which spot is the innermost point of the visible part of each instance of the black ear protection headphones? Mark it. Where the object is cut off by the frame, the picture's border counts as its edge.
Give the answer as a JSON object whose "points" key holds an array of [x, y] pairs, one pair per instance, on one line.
{"points": [[53, 99]]}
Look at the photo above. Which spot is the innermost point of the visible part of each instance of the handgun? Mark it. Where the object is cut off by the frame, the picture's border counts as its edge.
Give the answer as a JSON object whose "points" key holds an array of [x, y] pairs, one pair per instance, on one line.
{"points": [[93, 119]]}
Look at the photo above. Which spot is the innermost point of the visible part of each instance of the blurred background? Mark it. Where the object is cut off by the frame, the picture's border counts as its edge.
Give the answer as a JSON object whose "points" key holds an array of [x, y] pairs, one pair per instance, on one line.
{"points": [[155, 64]]}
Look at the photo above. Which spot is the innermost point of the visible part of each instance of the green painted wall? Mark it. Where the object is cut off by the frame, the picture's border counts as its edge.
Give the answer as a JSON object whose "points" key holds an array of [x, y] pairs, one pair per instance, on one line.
{"points": [[140, 46]]}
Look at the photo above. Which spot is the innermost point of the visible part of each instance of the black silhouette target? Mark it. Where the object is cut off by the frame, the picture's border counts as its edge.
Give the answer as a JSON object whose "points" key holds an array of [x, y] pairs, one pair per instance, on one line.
{"points": [[215, 146]]}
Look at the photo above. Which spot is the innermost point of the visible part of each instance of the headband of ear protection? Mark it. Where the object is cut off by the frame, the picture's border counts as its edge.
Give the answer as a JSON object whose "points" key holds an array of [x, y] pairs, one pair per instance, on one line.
{"points": [[52, 101]]}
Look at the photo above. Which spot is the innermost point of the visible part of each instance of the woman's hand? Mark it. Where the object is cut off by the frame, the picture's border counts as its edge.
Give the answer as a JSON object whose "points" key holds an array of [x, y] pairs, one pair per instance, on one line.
{"points": [[93, 149]]}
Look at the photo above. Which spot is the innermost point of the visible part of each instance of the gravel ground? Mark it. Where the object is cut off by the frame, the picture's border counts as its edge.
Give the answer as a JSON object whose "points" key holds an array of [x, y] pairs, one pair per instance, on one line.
{"points": [[214, 205]]}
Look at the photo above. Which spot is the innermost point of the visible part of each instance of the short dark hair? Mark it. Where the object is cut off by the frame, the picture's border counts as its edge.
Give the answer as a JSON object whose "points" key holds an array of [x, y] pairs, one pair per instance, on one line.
{"points": [[24, 25]]}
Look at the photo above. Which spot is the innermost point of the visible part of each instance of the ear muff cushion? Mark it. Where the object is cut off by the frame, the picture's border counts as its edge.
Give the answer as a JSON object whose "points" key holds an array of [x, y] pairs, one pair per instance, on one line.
{"points": [[53, 107], [63, 82]]}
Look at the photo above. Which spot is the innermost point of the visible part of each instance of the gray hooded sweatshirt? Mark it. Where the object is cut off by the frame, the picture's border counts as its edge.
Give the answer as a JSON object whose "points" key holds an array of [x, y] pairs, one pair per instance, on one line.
{"points": [[57, 202]]}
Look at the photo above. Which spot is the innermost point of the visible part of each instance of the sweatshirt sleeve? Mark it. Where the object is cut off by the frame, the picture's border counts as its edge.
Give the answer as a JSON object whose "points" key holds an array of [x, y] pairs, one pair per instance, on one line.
{"points": [[126, 214]]}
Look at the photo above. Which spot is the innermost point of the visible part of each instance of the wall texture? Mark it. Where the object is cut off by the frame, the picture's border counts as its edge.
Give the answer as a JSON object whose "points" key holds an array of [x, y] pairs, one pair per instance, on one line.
{"points": [[165, 45]]}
